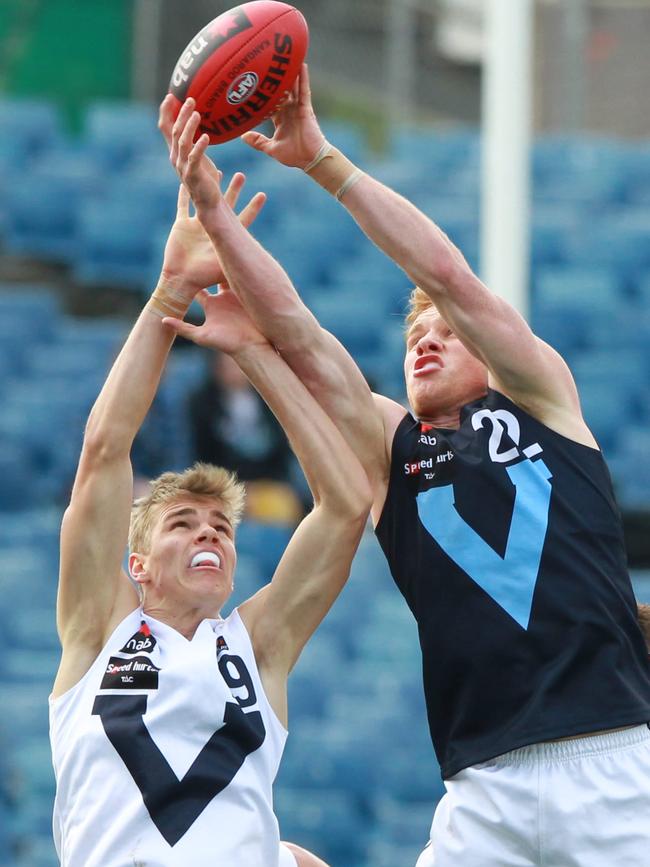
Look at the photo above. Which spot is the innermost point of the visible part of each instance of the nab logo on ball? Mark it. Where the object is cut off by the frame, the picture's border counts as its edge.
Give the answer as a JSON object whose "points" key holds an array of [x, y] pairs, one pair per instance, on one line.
{"points": [[242, 88], [240, 66]]}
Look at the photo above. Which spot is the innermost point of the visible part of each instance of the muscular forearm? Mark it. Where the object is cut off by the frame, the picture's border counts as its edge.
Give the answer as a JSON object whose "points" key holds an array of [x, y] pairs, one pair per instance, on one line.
{"points": [[130, 386], [333, 473], [259, 281]]}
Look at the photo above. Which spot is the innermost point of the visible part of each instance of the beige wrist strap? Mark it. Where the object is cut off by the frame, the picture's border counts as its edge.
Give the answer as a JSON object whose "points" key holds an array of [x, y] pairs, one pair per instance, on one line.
{"points": [[168, 301], [324, 151], [356, 175], [334, 172]]}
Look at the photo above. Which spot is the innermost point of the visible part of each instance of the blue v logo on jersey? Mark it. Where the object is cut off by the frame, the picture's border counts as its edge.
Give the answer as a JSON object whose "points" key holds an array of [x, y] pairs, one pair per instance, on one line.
{"points": [[510, 580]]}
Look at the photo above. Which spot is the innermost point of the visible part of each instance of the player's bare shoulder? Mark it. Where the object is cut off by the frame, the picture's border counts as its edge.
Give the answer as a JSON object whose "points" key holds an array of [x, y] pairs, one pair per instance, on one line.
{"points": [[391, 413], [557, 403]]}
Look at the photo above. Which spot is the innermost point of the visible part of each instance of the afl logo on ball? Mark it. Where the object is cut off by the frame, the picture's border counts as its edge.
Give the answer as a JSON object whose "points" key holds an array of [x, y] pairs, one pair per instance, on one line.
{"points": [[241, 88]]}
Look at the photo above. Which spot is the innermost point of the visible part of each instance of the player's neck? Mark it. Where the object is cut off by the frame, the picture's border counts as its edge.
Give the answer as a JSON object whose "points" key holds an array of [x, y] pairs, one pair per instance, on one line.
{"points": [[448, 420], [184, 620]]}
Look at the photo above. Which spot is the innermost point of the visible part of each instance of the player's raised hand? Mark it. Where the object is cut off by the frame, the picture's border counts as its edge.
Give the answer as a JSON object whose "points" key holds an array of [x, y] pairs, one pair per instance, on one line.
{"points": [[227, 326], [190, 260], [195, 169], [297, 136]]}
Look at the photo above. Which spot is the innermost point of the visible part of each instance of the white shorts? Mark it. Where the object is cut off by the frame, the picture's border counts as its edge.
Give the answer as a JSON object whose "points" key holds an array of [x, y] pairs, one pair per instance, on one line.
{"points": [[286, 857], [584, 802]]}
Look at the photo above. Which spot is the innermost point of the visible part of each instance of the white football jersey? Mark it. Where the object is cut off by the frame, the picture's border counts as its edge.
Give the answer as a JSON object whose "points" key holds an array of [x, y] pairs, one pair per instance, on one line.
{"points": [[166, 751]]}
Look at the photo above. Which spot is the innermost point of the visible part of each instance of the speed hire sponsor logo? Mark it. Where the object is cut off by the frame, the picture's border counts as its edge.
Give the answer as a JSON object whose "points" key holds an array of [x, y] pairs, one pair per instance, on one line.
{"points": [[136, 673]]}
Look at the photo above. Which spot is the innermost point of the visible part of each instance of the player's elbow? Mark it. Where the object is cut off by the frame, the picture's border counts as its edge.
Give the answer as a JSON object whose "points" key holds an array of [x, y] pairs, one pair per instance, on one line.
{"points": [[292, 328], [104, 441], [445, 273], [351, 503]]}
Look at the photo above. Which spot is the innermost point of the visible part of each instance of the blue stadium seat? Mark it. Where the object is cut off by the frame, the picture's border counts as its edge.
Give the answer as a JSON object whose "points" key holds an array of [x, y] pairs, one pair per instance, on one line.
{"points": [[249, 578], [399, 826], [32, 310], [42, 216], [550, 222], [36, 667], [436, 150], [29, 708], [117, 132], [114, 245], [347, 137], [264, 541], [29, 126], [632, 468], [357, 323], [603, 407], [38, 851], [33, 762], [27, 571], [327, 821], [582, 169], [617, 241], [33, 627], [596, 289], [19, 490]]}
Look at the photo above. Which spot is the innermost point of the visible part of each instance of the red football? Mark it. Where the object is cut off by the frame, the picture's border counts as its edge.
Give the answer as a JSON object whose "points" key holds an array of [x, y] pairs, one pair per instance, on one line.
{"points": [[241, 65]]}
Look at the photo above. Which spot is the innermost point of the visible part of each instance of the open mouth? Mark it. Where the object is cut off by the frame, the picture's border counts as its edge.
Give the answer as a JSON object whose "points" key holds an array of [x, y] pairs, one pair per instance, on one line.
{"points": [[427, 364], [205, 559]]}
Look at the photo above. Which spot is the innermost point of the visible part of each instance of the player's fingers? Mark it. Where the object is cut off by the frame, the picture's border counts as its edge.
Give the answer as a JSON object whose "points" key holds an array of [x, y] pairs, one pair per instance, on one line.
{"points": [[256, 140], [304, 88], [187, 136], [216, 173], [203, 296], [293, 94], [183, 205], [252, 209], [179, 125], [234, 188], [197, 152], [166, 118], [184, 329]]}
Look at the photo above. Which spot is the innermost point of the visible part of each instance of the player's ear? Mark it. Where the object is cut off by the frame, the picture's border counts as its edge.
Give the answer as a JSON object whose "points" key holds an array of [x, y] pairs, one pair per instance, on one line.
{"points": [[137, 568]]}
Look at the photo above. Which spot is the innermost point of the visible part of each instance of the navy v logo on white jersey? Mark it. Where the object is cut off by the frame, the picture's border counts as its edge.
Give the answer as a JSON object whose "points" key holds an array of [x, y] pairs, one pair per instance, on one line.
{"points": [[510, 580], [173, 804]]}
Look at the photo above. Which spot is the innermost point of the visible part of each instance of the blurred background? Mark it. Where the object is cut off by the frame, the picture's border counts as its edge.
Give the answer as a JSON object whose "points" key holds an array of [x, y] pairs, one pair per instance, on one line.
{"points": [[86, 201]]}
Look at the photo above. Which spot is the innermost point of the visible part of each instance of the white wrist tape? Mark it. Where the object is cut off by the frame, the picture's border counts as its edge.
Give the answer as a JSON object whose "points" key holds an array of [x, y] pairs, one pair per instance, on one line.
{"points": [[324, 151]]}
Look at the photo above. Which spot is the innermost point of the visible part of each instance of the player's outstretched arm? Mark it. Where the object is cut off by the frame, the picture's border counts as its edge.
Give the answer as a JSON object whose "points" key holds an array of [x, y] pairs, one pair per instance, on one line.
{"points": [[316, 564], [521, 365], [269, 297], [94, 594]]}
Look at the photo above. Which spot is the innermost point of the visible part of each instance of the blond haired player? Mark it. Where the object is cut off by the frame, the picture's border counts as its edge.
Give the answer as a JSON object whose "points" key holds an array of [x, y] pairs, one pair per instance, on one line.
{"points": [[495, 510], [168, 721]]}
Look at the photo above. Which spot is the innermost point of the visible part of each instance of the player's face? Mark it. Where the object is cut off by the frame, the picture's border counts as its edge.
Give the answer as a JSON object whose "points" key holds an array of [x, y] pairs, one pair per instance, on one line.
{"points": [[441, 374], [192, 554]]}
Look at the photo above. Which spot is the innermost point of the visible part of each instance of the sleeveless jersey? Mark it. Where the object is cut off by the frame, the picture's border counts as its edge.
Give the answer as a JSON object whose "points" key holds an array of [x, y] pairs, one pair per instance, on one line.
{"points": [[166, 751], [505, 539]]}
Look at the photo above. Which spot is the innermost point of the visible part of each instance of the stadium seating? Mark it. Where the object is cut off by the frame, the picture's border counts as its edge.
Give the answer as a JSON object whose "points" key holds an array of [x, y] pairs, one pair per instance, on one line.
{"points": [[102, 206], [28, 127]]}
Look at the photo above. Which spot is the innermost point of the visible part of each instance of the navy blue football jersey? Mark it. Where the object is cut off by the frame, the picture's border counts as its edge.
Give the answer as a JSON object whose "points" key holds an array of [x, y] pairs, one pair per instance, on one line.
{"points": [[506, 541]]}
